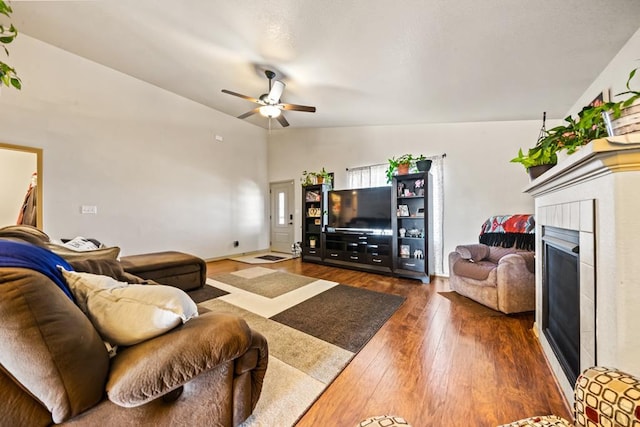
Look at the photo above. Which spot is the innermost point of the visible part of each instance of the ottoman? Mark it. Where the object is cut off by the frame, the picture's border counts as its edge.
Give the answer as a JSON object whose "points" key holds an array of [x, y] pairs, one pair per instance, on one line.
{"points": [[178, 269]]}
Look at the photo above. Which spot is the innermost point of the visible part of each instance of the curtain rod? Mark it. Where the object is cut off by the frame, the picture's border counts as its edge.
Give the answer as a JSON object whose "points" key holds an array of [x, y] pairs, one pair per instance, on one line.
{"points": [[443, 155]]}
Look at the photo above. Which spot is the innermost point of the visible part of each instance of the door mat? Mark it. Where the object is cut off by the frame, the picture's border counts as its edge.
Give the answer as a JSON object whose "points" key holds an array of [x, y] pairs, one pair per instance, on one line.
{"points": [[263, 258], [271, 257]]}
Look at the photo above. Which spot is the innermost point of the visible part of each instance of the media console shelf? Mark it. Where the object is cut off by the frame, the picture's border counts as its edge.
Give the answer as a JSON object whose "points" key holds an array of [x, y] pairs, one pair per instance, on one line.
{"points": [[381, 230], [410, 225], [361, 250], [314, 219]]}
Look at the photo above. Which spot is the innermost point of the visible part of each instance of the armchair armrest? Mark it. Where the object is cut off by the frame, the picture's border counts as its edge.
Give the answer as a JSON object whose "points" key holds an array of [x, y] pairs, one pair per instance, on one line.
{"points": [[516, 284], [152, 368]]}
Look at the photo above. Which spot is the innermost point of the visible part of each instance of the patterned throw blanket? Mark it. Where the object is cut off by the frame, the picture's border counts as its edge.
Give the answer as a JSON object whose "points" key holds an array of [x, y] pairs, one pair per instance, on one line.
{"points": [[509, 231], [26, 255]]}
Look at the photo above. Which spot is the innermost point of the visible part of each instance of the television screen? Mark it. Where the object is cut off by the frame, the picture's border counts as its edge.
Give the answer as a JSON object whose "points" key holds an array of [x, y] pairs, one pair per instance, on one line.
{"points": [[360, 209]]}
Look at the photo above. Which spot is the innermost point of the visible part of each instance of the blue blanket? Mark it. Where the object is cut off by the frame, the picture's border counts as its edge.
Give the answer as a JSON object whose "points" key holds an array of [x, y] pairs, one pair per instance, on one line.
{"points": [[26, 255]]}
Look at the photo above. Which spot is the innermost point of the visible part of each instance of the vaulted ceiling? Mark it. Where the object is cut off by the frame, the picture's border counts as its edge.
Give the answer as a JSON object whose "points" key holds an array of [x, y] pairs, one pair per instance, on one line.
{"points": [[360, 62]]}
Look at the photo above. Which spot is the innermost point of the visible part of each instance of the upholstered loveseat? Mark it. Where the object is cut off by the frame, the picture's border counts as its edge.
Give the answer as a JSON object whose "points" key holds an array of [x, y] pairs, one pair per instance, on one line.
{"points": [[55, 367]]}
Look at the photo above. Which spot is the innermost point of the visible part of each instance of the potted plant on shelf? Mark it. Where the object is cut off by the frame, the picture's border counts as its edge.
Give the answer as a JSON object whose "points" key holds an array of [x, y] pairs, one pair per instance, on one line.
{"points": [[423, 164], [624, 116], [312, 241], [323, 177], [404, 163], [312, 178]]}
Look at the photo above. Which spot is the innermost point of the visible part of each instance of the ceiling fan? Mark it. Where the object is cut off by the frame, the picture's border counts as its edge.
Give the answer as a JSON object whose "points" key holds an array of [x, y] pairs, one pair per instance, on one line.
{"points": [[270, 105]]}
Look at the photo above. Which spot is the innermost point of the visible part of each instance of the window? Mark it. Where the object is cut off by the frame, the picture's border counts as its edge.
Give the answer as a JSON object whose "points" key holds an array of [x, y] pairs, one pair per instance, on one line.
{"points": [[281, 208], [367, 176]]}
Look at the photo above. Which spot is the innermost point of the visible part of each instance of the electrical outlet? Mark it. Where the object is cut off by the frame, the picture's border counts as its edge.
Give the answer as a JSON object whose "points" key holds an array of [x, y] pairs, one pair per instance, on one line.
{"points": [[88, 209]]}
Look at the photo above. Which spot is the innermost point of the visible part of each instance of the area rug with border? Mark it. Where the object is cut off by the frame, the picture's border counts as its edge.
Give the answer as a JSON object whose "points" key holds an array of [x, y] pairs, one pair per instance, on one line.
{"points": [[314, 328]]}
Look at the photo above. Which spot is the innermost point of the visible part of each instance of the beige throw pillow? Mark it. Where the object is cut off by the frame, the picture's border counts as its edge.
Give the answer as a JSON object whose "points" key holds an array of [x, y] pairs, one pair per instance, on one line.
{"points": [[127, 314]]}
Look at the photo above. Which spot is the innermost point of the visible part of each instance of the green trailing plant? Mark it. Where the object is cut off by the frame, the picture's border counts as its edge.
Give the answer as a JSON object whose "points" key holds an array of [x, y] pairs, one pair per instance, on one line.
{"points": [[8, 75], [576, 132], [311, 178], [536, 156], [405, 159], [634, 93]]}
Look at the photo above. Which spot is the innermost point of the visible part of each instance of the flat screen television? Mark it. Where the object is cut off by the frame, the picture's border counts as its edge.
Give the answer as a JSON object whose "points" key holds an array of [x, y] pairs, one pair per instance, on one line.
{"points": [[362, 209]]}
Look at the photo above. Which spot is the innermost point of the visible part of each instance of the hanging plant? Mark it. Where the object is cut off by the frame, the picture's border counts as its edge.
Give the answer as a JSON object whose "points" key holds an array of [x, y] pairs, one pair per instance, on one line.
{"points": [[8, 76]]}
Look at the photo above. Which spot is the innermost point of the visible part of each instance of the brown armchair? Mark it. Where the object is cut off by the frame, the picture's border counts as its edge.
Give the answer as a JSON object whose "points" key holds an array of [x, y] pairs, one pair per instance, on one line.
{"points": [[501, 278]]}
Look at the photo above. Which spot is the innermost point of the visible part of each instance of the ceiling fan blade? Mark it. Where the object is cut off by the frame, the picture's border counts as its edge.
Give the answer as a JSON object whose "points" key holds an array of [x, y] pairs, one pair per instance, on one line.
{"points": [[283, 122], [239, 95], [295, 107], [276, 92], [249, 113]]}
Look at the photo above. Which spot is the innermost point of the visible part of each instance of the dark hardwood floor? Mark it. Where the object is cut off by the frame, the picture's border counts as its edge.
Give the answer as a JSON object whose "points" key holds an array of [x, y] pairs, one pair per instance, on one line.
{"points": [[441, 360]]}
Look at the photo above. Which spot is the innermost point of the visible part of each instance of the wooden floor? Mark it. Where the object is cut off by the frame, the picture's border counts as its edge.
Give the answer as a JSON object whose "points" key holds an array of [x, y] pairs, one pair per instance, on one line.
{"points": [[441, 360]]}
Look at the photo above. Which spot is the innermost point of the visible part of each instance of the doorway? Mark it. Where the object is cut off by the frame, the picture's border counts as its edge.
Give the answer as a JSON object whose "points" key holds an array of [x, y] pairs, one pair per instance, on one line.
{"points": [[281, 214], [20, 174]]}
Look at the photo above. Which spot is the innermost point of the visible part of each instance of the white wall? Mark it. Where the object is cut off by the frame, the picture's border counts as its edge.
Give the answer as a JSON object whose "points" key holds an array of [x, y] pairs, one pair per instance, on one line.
{"points": [[16, 168], [479, 179], [145, 157], [614, 76]]}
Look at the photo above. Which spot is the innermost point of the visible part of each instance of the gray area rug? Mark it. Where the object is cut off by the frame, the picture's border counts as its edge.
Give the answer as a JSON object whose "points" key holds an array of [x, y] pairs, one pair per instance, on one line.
{"points": [[310, 340], [269, 285], [343, 315], [206, 292]]}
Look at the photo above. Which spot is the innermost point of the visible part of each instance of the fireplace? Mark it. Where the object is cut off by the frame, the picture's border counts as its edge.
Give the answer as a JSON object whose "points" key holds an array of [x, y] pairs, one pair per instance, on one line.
{"points": [[561, 297], [592, 192]]}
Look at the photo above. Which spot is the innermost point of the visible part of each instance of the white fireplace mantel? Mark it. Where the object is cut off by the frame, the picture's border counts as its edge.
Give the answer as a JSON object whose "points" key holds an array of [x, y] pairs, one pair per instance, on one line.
{"points": [[596, 191]]}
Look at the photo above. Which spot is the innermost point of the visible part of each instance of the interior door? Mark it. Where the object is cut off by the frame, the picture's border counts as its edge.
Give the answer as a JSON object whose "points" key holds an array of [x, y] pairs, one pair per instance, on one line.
{"points": [[282, 235], [20, 171]]}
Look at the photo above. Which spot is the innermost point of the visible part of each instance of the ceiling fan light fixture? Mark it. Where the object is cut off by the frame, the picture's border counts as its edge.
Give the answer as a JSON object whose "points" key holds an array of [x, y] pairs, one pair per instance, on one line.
{"points": [[270, 111]]}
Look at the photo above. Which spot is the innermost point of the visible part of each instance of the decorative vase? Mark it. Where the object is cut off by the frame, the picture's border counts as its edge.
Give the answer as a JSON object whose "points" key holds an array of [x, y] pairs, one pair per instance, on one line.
{"points": [[403, 168], [536, 171], [319, 180], [423, 165]]}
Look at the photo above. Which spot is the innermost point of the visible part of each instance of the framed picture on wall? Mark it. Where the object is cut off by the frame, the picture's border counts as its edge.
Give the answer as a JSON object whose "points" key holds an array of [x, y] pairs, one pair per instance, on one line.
{"points": [[600, 99]]}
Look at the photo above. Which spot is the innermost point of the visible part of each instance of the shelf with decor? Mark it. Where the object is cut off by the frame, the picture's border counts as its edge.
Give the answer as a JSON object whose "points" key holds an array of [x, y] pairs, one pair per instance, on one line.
{"points": [[410, 225], [314, 218]]}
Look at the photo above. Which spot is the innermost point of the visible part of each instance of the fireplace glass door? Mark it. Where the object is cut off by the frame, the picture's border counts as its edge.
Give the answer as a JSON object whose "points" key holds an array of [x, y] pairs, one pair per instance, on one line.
{"points": [[561, 298]]}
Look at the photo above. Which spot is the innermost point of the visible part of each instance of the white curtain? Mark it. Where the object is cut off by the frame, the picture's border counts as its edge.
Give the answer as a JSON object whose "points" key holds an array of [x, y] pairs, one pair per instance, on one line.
{"points": [[375, 176], [367, 176], [437, 216]]}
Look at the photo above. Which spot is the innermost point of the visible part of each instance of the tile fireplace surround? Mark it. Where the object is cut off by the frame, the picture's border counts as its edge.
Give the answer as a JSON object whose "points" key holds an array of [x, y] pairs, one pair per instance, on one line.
{"points": [[596, 191]]}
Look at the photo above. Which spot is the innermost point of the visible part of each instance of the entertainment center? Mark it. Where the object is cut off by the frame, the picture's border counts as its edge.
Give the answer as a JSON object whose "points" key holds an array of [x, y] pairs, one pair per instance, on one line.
{"points": [[379, 229]]}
